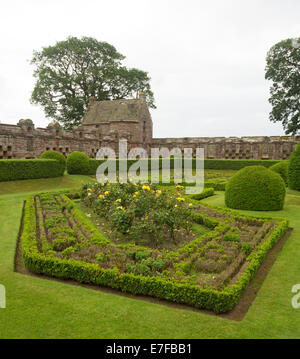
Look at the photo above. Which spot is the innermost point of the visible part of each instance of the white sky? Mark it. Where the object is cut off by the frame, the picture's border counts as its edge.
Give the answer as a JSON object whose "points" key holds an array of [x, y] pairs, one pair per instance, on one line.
{"points": [[206, 58]]}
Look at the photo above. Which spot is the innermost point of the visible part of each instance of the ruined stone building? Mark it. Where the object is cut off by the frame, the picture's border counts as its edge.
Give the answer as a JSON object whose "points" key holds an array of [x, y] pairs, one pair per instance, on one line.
{"points": [[106, 122]]}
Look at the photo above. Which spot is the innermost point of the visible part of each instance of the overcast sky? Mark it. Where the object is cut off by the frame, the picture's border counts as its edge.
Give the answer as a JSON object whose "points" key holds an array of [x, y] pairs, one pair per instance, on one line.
{"points": [[206, 59]]}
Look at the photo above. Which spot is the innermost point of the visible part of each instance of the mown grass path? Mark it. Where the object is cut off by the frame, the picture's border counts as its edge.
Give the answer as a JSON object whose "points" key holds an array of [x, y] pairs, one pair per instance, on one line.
{"points": [[39, 308]]}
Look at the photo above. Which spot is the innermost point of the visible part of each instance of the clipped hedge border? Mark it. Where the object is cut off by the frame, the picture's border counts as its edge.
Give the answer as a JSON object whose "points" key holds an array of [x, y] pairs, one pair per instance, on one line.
{"points": [[209, 164], [207, 192], [227, 164], [255, 259], [217, 186], [97, 238], [211, 299], [21, 169], [55, 155]]}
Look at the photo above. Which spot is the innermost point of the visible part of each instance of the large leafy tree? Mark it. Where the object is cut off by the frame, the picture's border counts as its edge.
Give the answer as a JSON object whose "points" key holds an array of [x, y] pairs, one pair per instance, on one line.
{"points": [[70, 72], [283, 68]]}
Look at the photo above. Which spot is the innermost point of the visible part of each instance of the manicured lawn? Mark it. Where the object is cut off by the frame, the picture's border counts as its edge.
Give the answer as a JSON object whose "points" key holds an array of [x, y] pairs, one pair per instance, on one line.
{"points": [[38, 308], [28, 186]]}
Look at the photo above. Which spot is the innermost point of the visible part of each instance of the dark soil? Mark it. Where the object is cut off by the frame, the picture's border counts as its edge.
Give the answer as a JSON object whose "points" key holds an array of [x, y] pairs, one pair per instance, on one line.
{"points": [[118, 238]]}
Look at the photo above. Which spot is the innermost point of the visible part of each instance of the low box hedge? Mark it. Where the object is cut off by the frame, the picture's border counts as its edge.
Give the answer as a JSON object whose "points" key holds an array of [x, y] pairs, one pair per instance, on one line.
{"points": [[226, 164], [159, 287], [209, 164], [55, 155], [21, 169], [207, 192]]}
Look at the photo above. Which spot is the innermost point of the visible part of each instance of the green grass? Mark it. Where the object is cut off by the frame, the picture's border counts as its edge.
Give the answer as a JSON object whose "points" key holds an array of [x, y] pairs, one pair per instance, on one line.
{"points": [[39, 308], [30, 186]]}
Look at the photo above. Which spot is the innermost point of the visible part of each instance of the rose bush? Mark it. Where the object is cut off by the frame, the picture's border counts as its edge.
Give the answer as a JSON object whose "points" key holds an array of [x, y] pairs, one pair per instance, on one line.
{"points": [[143, 212]]}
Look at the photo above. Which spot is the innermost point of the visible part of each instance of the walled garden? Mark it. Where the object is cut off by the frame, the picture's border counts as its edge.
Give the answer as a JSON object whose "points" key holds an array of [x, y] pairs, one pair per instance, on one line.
{"points": [[153, 240]]}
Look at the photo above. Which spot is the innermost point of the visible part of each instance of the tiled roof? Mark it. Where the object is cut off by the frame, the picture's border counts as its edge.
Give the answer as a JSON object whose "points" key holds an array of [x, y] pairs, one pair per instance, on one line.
{"points": [[113, 111]]}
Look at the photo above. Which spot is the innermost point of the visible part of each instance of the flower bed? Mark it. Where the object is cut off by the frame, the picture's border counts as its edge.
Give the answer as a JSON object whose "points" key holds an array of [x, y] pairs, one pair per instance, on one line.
{"points": [[208, 271]]}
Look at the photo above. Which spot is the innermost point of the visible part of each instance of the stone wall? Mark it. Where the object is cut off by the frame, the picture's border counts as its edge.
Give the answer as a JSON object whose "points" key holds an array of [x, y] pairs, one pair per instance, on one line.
{"points": [[255, 147], [25, 141]]}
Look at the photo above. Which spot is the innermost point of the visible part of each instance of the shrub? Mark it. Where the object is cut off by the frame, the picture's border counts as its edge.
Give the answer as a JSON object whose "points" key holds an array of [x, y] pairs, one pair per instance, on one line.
{"points": [[231, 237], [282, 169], [246, 248], [294, 169], [140, 211], [61, 244], [55, 155], [230, 164], [15, 169], [255, 188], [207, 192], [217, 186], [77, 163]]}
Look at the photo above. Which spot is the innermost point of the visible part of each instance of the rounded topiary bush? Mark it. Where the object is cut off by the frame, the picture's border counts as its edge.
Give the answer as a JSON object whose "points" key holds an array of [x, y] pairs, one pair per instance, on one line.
{"points": [[255, 188], [294, 169], [55, 155], [77, 163], [282, 168]]}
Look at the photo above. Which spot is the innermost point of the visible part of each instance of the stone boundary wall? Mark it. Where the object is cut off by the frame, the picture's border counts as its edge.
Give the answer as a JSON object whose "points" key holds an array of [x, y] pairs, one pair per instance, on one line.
{"points": [[254, 147], [25, 141]]}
